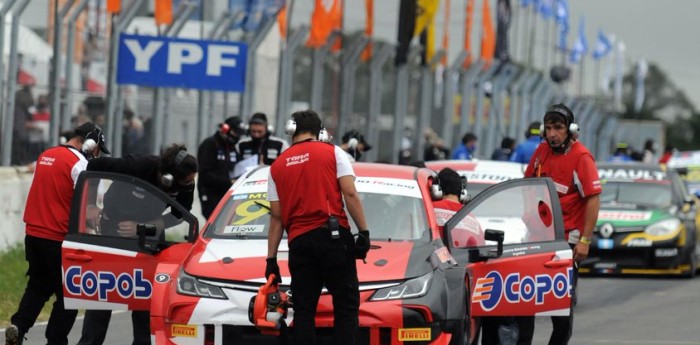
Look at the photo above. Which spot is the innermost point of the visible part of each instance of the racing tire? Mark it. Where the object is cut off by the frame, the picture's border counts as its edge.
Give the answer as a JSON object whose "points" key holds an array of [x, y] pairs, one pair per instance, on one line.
{"points": [[467, 332]]}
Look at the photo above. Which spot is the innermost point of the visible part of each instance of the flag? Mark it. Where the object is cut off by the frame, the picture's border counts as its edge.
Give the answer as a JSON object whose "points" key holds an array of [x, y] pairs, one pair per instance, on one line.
{"points": [[256, 14], [407, 22], [163, 12], [239, 11], [369, 29], [562, 19], [282, 21], [608, 69], [488, 35], [427, 40], [326, 17], [619, 71], [503, 15], [250, 14], [546, 8], [641, 75], [114, 6], [580, 47], [468, 20], [526, 3], [425, 12], [446, 33], [603, 46]]}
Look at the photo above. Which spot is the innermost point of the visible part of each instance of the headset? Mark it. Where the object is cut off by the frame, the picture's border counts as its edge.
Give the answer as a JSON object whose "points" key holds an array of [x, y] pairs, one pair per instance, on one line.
{"points": [[568, 118], [290, 128], [224, 128], [168, 179], [352, 143], [436, 192], [324, 136], [90, 144]]}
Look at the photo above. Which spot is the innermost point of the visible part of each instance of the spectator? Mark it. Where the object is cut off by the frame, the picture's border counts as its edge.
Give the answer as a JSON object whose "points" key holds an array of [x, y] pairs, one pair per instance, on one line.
{"points": [[466, 149], [505, 151], [524, 150], [650, 147], [621, 154], [38, 128], [434, 147], [668, 153]]}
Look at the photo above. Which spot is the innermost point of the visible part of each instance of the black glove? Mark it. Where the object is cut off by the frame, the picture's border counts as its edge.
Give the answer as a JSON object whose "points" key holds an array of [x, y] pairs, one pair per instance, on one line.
{"points": [[272, 268], [362, 244]]}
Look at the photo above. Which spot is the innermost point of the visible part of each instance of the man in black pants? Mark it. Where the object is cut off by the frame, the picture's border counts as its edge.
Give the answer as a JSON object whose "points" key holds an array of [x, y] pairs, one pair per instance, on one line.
{"points": [[173, 172], [306, 188], [56, 173]]}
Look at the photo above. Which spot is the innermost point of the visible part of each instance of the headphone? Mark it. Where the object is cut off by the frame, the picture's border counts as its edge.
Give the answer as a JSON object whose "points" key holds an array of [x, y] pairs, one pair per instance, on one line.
{"points": [[224, 128], [90, 144], [168, 179], [352, 143], [568, 118], [436, 192], [324, 136], [290, 128]]}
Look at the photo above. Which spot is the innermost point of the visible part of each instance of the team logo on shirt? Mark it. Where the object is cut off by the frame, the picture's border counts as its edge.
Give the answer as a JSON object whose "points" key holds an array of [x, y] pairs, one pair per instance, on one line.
{"points": [[294, 160]]}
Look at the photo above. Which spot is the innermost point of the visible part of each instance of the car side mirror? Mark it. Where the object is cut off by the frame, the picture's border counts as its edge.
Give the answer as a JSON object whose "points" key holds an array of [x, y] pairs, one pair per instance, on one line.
{"points": [[143, 230], [489, 253]]}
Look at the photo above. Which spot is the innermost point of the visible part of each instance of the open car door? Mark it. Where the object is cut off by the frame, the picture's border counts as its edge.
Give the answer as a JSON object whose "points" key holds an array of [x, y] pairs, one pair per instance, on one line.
{"points": [[104, 268], [511, 239]]}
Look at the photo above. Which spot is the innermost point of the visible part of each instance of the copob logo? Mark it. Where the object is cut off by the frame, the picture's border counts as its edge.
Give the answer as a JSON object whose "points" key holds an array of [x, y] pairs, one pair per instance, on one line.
{"points": [[489, 290], [102, 283]]}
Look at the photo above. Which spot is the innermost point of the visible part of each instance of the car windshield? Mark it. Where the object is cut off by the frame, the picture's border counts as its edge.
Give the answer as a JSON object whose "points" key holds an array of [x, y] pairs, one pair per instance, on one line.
{"points": [[632, 194], [391, 213]]}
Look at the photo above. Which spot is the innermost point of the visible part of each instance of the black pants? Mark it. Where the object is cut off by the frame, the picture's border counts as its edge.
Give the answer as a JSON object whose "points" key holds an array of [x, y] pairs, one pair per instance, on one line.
{"points": [[499, 330], [45, 279], [562, 326], [315, 261], [96, 324]]}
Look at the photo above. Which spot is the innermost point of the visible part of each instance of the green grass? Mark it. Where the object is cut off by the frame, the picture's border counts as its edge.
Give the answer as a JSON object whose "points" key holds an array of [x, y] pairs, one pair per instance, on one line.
{"points": [[12, 284]]}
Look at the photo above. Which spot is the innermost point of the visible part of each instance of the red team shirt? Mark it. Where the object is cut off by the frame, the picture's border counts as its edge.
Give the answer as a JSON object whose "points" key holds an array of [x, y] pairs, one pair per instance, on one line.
{"points": [[575, 177], [467, 233], [304, 179], [49, 198]]}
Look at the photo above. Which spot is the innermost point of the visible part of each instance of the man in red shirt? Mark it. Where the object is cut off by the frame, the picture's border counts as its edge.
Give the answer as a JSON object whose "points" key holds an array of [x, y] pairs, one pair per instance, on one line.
{"points": [[468, 232], [46, 215], [306, 188], [572, 168]]}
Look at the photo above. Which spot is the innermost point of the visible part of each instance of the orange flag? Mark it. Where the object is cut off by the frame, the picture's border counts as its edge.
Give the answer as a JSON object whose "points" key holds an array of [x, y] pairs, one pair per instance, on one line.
{"points": [[164, 12], [282, 21], [114, 6], [488, 35], [446, 33], [369, 28], [468, 31], [324, 20]]}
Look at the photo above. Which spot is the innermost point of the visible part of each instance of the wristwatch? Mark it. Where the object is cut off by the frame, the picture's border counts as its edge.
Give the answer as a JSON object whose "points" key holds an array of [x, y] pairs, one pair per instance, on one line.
{"points": [[585, 240]]}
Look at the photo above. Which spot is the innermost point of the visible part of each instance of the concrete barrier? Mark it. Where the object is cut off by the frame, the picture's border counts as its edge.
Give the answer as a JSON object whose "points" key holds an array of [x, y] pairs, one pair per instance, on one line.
{"points": [[14, 187]]}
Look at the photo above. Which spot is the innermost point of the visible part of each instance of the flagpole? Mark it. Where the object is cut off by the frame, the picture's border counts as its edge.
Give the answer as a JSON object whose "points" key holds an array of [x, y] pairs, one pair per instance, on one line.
{"points": [[547, 41], [517, 19], [531, 57], [581, 76], [596, 87]]}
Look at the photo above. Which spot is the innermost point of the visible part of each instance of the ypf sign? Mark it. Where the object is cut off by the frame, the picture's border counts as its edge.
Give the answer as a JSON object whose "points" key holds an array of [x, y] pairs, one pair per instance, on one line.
{"points": [[173, 62]]}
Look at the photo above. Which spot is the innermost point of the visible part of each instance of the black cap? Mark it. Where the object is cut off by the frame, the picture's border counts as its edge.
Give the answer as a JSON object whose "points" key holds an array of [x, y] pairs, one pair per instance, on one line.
{"points": [[234, 124], [258, 118], [357, 135], [92, 131]]}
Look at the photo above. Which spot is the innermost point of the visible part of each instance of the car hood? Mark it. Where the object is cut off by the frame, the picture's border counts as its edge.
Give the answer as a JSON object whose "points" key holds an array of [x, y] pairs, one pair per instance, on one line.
{"points": [[628, 218], [244, 261]]}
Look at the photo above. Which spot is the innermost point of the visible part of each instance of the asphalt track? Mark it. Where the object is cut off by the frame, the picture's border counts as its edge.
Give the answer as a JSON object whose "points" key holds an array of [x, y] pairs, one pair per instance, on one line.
{"points": [[619, 310]]}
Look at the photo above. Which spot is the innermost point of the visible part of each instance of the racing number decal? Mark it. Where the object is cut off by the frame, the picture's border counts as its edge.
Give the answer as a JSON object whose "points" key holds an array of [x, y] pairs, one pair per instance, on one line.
{"points": [[251, 210]]}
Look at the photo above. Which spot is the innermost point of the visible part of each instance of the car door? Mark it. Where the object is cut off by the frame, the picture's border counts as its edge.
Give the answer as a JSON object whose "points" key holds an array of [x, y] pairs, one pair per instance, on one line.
{"points": [[106, 269], [530, 271]]}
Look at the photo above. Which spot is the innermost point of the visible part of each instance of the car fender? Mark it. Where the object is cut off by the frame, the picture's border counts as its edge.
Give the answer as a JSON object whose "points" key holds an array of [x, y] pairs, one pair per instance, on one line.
{"points": [[164, 282], [456, 292]]}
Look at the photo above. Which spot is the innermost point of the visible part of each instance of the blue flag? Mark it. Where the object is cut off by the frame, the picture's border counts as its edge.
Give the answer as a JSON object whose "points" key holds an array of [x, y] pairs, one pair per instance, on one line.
{"points": [[250, 14], [580, 47], [602, 47], [562, 18], [546, 8], [239, 9]]}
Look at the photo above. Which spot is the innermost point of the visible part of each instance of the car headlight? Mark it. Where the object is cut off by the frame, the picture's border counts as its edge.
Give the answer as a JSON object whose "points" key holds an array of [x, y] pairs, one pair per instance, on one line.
{"points": [[189, 285], [664, 227], [416, 287]]}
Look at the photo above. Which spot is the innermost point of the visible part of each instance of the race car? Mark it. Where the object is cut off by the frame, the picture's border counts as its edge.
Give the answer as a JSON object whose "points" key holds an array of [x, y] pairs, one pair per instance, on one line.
{"points": [[417, 286], [480, 174], [687, 165], [647, 223]]}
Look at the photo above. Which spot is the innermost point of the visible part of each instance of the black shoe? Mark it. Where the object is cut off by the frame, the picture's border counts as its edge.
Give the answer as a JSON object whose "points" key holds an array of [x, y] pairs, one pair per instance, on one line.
{"points": [[13, 336]]}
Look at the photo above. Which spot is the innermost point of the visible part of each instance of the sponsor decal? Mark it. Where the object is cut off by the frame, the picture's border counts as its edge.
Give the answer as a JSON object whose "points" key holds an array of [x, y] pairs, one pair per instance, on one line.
{"points": [[255, 183], [492, 289], [105, 284], [631, 174], [162, 278], [183, 331], [639, 242], [665, 252], [444, 255], [390, 186], [247, 229], [486, 177], [561, 189], [414, 334], [47, 161], [240, 196], [606, 230], [605, 243], [624, 215]]}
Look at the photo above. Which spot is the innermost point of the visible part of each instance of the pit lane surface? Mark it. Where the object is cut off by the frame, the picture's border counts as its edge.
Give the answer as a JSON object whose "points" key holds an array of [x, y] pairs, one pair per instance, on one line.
{"points": [[629, 310]]}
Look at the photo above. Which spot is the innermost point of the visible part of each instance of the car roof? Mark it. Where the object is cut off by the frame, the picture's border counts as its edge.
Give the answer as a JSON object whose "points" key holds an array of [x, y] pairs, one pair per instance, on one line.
{"points": [[481, 171]]}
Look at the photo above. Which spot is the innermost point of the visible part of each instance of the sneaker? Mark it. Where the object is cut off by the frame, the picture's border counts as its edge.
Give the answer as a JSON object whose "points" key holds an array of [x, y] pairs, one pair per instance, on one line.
{"points": [[13, 336]]}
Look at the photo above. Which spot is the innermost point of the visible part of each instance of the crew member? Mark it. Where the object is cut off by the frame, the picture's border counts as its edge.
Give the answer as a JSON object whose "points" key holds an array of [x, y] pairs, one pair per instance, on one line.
{"points": [[354, 143], [572, 168], [46, 215], [173, 172], [306, 189], [260, 141], [523, 152], [217, 158]]}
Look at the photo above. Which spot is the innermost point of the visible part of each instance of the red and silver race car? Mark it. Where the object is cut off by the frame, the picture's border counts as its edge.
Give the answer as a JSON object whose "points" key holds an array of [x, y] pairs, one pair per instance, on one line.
{"points": [[416, 285]]}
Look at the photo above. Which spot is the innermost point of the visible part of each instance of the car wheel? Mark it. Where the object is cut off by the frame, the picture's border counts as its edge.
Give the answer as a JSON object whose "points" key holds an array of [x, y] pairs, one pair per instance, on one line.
{"points": [[692, 261], [467, 333]]}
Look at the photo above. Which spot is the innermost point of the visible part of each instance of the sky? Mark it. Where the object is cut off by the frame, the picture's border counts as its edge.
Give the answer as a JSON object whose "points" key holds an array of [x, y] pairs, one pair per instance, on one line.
{"points": [[662, 32]]}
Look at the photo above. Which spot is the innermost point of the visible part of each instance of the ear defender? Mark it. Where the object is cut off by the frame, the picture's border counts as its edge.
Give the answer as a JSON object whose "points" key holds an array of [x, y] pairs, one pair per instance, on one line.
{"points": [[324, 136], [290, 127], [464, 194], [224, 128], [168, 179], [352, 143], [89, 145], [435, 189]]}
